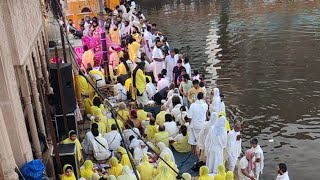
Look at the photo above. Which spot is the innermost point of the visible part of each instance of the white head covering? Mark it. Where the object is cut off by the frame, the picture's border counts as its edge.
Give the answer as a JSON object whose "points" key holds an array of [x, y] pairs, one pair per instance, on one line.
{"points": [[165, 150], [213, 119], [216, 100], [126, 175], [217, 135]]}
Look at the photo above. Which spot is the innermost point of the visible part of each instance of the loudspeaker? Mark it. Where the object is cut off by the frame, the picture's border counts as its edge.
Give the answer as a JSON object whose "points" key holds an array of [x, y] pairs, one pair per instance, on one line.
{"points": [[154, 110], [60, 128], [68, 155], [162, 94], [67, 87]]}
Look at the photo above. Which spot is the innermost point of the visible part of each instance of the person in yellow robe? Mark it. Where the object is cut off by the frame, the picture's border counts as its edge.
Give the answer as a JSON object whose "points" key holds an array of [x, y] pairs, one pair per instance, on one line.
{"points": [[204, 173], [87, 58], [133, 48], [167, 158], [115, 35], [126, 174], [139, 84], [221, 175], [160, 118], [151, 129], [68, 173], [146, 169], [136, 34], [123, 112], [87, 170], [181, 141], [125, 161], [164, 174], [116, 168], [73, 139], [162, 136], [84, 86], [123, 68], [142, 114], [229, 175], [186, 176], [101, 126]]}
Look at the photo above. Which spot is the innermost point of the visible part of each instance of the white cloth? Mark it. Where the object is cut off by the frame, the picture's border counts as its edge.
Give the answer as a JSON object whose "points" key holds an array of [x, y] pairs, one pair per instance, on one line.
{"points": [[165, 150], [147, 66], [170, 64], [114, 139], [139, 152], [188, 68], [216, 141], [162, 83], [123, 8], [259, 165], [100, 152], [87, 142], [180, 117], [176, 111], [233, 149], [216, 101], [151, 90], [100, 82], [243, 164], [121, 92], [205, 130], [133, 4], [197, 113], [134, 143], [171, 128], [222, 107], [130, 64], [169, 104], [157, 66], [129, 132], [284, 176], [125, 30]]}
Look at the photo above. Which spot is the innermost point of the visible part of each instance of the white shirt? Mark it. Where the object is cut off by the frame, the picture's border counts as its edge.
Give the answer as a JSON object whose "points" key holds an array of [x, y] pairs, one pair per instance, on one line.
{"points": [[162, 83], [259, 154], [188, 68], [121, 92], [133, 4], [114, 139], [100, 152], [198, 114], [233, 147], [170, 64], [157, 53], [284, 176], [171, 128], [123, 9], [134, 143], [129, 132], [243, 164], [130, 64], [176, 111], [147, 36], [151, 90]]}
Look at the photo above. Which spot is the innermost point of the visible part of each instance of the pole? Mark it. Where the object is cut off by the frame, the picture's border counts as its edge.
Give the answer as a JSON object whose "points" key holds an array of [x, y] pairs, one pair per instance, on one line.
{"points": [[61, 93], [104, 44]]}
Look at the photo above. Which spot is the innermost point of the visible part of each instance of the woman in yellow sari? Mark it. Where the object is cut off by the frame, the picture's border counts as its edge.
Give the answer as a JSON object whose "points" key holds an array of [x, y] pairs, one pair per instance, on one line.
{"points": [[133, 48], [204, 173], [116, 168], [221, 173], [124, 157], [73, 139], [68, 173], [145, 169], [87, 170]]}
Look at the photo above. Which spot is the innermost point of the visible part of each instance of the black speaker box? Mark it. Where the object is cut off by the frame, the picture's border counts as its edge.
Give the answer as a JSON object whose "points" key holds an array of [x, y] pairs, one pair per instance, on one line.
{"points": [[68, 155], [67, 87], [61, 133]]}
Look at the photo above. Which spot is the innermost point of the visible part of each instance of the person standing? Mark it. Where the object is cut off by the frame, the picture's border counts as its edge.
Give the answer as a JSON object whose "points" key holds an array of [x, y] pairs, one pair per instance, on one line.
{"points": [[186, 64], [246, 166], [197, 114], [184, 88], [158, 59], [216, 141], [113, 138], [234, 146], [259, 157], [194, 91], [170, 64], [148, 42], [282, 172], [139, 84], [177, 70]]}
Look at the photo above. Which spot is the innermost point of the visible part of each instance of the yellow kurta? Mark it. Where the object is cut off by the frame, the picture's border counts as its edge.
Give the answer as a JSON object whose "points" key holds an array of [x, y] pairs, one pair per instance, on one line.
{"points": [[141, 83], [137, 37], [145, 169], [133, 49], [122, 69], [182, 146], [167, 158], [84, 87], [128, 84], [78, 146], [160, 118], [64, 176], [162, 136], [124, 114], [151, 130], [142, 115], [221, 175], [116, 168], [124, 157], [87, 170]]}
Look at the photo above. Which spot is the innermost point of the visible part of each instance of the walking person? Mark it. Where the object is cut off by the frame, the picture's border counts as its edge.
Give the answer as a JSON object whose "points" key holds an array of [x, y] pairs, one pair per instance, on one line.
{"points": [[259, 157]]}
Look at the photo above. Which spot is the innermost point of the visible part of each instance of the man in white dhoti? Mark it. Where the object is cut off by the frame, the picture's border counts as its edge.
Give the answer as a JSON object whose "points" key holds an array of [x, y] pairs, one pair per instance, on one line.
{"points": [[259, 157], [216, 141], [203, 135], [158, 59], [197, 114], [233, 146], [170, 63]]}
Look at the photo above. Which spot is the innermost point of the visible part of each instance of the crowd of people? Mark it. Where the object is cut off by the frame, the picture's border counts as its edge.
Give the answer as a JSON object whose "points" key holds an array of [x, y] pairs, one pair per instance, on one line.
{"points": [[142, 65]]}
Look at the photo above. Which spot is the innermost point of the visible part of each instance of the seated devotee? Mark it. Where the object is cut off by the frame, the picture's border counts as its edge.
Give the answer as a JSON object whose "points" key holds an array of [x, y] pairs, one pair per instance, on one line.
{"points": [[170, 126], [97, 77], [164, 174], [146, 169], [87, 170], [171, 90], [229, 175], [88, 139], [151, 129], [180, 143], [68, 173], [176, 104], [126, 175], [142, 114], [162, 136], [113, 138], [150, 89], [221, 175], [116, 167], [123, 112], [160, 118], [192, 96], [99, 148], [121, 92], [125, 161], [101, 126], [165, 150], [134, 119], [186, 176], [130, 132], [181, 118], [87, 58], [204, 173], [95, 176], [140, 151], [168, 103], [72, 139], [162, 82], [123, 68], [134, 142], [167, 159]]}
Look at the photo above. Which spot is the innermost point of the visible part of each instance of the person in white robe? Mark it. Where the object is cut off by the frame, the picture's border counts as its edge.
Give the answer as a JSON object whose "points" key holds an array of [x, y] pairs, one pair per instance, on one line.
{"points": [[140, 151], [215, 106], [99, 147], [170, 126], [169, 103], [130, 132], [203, 135], [121, 92], [113, 138], [198, 115], [88, 139], [234, 146], [216, 141], [259, 157], [282, 172], [158, 59], [162, 82], [165, 150], [150, 89], [148, 42], [246, 166], [170, 63]]}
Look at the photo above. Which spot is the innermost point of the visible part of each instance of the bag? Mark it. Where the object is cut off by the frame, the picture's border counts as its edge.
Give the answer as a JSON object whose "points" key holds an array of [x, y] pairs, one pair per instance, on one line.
{"points": [[33, 170]]}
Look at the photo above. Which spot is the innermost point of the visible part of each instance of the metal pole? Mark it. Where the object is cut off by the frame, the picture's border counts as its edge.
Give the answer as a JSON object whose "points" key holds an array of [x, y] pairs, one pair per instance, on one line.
{"points": [[104, 44], [66, 129]]}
